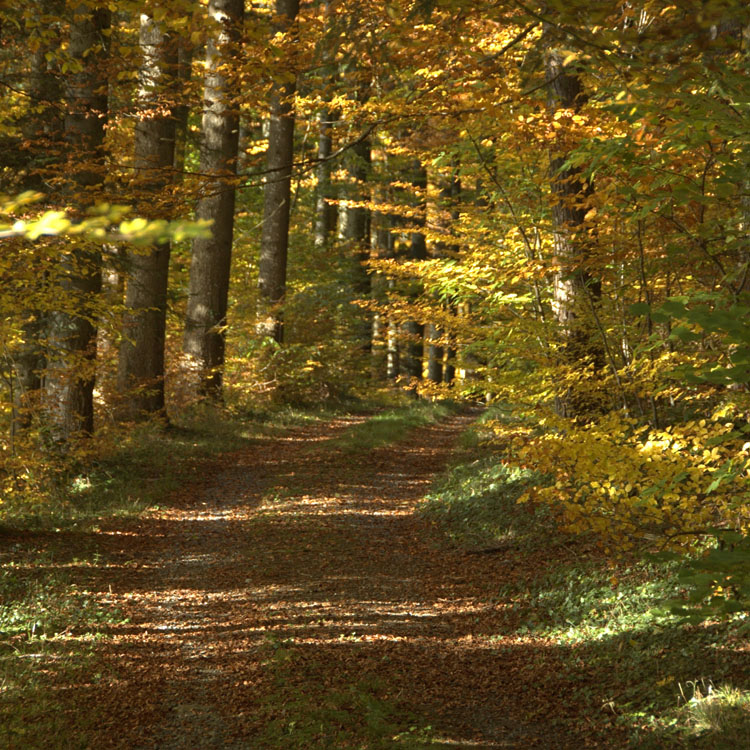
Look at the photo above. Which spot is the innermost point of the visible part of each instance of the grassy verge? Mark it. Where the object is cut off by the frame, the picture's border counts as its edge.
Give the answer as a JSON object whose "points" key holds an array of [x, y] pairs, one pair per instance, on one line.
{"points": [[629, 671], [49, 626], [50, 622], [393, 425]]}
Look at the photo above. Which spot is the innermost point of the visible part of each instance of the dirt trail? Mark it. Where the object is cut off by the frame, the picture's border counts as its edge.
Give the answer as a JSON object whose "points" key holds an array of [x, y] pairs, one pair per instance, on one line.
{"points": [[296, 601]]}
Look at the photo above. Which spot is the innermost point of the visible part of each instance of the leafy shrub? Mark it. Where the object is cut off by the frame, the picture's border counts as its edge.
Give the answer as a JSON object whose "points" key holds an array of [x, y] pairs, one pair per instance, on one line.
{"points": [[630, 483]]}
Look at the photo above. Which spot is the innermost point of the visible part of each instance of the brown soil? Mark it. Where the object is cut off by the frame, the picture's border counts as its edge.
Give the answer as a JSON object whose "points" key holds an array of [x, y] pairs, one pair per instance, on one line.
{"points": [[294, 599]]}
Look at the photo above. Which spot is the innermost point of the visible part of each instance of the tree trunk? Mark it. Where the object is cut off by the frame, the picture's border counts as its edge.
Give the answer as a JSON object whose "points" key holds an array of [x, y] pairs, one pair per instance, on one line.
{"points": [[449, 369], [414, 329], [42, 130], [382, 248], [141, 364], [434, 354], [355, 236], [574, 291], [70, 378], [181, 112], [444, 215], [277, 196], [325, 211], [206, 317]]}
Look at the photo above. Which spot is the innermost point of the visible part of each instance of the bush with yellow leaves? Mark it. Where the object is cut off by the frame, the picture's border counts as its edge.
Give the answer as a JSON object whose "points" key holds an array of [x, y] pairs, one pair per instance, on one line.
{"points": [[632, 484]]}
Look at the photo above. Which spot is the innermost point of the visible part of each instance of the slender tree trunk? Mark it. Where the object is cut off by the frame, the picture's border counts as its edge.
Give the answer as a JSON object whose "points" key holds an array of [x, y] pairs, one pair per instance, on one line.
{"points": [[42, 130], [449, 370], [141, 364], [206, 318], [71, 372], [386, 240], [42, 127], [573, 288], [382, 248], [434, 354], [277, 197], [414, 329], [355, 236], [444, 215], [325, 211], [181, 112]]}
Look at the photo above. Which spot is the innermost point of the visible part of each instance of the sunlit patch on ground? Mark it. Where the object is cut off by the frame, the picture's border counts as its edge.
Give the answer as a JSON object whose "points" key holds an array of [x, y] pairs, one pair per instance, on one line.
{"points": [[299, 597]]}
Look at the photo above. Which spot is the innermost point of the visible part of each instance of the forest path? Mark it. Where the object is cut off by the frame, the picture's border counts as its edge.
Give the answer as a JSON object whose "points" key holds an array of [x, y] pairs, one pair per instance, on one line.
{"points": [[295, 600]]}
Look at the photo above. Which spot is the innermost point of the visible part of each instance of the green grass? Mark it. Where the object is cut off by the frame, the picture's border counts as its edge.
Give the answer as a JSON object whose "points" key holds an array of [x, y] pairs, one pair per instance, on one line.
{"points": [[718, 715], [626, 665], [469, 503], [393, 426], [49, 626]]}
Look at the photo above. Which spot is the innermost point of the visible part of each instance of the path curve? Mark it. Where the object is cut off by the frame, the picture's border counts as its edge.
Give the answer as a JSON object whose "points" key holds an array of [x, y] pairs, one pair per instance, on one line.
{"points": [[297, 594]]}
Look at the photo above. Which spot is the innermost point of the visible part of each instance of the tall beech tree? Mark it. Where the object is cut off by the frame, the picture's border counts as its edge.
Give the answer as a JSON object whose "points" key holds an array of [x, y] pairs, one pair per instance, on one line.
{"points": [[71, 370], [325, 209], [42, 131], [574, 288], [141, 364], [274, 246], [206, 316]]}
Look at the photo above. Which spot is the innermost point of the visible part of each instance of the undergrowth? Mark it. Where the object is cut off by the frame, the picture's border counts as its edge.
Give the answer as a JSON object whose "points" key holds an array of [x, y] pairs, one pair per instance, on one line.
{"points": [[627, 667], [49, 626]]}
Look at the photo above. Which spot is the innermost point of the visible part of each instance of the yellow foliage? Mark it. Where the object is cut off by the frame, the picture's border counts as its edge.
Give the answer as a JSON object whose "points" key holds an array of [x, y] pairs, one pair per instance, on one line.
{"points": [[630, 483]]}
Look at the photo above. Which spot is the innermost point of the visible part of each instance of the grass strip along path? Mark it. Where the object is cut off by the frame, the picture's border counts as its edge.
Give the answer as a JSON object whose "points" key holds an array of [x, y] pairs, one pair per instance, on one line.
{"points": [[295, 600]]}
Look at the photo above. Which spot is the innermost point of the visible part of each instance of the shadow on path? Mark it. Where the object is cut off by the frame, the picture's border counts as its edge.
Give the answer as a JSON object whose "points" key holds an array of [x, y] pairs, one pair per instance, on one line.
{"points": [[298, 602]]}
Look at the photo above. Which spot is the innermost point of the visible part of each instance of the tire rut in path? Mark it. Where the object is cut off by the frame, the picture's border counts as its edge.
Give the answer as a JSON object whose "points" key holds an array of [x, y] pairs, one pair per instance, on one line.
{"points": [[300, 578]]}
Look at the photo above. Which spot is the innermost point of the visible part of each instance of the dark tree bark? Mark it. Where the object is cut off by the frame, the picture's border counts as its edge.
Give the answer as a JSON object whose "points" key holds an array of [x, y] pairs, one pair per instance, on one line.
{"points": [[42, 131], [72, 366], [449, 370], [574, 290], [435, 354], [206, 317], [355, 235], [414, 329], [277, 196], [445, 215], [382, 248], [141, 363], [42, 126], [181, 112], [325, 211]]}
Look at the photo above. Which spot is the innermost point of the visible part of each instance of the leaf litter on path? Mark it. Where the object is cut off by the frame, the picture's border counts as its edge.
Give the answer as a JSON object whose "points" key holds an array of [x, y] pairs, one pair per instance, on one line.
{"points": [[293, 599]]}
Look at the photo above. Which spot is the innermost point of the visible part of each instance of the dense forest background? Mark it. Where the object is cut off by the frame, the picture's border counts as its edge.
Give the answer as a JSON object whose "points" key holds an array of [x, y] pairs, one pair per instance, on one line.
{"points": [[217, 209], [545, 206]]}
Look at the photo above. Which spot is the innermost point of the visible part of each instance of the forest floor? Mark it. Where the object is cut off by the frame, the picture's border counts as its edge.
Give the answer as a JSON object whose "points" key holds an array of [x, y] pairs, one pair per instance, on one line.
{"points": [[293, 598]]}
